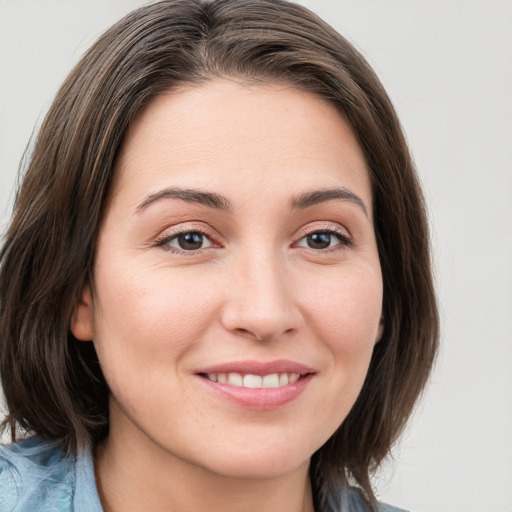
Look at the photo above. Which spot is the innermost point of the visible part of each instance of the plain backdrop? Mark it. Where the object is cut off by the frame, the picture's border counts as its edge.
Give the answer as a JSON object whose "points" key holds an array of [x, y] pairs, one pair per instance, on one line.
{"points": [[447, 66]]}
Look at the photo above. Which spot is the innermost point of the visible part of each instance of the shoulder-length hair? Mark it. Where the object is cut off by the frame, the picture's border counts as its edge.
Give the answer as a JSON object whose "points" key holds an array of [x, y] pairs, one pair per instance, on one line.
{"points": [[53, 384]]}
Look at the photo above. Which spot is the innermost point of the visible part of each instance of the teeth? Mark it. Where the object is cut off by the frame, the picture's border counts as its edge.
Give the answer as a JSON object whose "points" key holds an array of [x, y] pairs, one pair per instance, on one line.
{"points": [[294, 377], [235, 379], [273, 380], [253, 381]]}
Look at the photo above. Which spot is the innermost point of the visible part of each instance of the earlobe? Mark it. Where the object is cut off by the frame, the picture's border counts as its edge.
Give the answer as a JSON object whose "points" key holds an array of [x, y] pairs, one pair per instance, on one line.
{"points": [[380, 331], [81, 324]]}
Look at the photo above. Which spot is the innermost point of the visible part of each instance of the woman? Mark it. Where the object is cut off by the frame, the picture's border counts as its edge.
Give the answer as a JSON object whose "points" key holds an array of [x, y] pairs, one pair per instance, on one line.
{"points": [[217, 274]]}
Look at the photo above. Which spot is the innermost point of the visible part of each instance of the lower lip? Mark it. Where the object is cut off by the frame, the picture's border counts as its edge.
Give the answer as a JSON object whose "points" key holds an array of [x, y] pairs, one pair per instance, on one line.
{"points": [[260, 399]]}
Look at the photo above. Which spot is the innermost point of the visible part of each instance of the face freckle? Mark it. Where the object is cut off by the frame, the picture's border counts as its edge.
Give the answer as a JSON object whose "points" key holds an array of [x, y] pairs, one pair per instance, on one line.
{"points": [[239, 241]]}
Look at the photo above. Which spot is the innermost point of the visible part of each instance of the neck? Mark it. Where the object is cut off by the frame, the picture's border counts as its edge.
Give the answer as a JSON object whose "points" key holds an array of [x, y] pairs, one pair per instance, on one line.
{"points": [[140, 476]]}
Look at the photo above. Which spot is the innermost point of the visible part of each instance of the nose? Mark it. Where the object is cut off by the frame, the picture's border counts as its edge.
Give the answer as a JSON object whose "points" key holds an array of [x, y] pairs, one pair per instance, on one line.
{"points": [[261, 302]]}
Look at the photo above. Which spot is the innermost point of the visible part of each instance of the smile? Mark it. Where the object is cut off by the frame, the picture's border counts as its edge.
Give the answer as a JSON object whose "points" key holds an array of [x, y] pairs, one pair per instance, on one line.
{"points": [[256, 385], [272, 380]]}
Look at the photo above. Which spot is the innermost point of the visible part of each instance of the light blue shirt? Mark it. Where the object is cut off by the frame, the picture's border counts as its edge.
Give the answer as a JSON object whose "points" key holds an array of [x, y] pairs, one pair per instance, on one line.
{"points": [[35, 476]]}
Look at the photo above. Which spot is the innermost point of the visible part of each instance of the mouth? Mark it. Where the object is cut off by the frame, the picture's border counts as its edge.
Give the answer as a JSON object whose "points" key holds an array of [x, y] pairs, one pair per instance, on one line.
{"points": [[249, 380], [259, 386]]}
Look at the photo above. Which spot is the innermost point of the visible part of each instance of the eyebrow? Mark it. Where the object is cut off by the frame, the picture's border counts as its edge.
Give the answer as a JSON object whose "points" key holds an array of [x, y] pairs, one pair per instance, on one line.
{"points": [[315, 197], [221, 202], [200, 197]]}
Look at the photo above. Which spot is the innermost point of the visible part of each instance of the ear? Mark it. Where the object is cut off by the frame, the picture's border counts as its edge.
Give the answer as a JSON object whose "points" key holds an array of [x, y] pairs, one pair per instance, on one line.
{"points": [[380, 331], [82, 321]]}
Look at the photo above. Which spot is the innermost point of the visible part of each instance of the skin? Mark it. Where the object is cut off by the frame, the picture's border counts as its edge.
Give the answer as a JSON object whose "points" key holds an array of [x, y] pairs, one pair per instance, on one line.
{"points": [[254, 290]]}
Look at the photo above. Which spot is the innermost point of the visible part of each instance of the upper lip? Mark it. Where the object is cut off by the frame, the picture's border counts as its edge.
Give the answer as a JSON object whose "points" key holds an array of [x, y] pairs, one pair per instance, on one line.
{"points": [[258, 367]]}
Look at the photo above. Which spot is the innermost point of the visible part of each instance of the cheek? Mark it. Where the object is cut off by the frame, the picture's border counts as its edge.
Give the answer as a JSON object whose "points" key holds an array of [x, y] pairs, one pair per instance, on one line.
{"points": [[343, 316], [345, 311], [152, 320], [146, 328]]}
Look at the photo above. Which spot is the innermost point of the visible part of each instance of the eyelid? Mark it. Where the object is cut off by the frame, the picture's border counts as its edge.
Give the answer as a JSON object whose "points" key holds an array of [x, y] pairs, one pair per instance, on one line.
{"points": [[186, 227], [343, 234]]}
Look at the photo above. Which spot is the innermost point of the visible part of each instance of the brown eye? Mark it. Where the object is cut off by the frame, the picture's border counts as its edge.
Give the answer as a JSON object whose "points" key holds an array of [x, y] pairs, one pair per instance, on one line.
{"points": [[190, 241], [320, 240], [185, 242]]}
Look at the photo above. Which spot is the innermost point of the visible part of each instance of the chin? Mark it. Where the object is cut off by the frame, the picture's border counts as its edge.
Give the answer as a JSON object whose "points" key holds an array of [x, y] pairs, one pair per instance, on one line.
{"points": [[258, 470], [258, 464]]}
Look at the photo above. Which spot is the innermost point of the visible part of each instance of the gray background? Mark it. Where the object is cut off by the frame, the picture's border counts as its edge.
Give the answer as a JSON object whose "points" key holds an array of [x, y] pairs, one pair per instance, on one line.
{"points": [[448, 68]]}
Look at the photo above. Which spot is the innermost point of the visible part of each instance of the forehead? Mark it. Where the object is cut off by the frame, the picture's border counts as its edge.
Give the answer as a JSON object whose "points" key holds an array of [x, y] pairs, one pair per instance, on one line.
{"points": [[223, 133]]}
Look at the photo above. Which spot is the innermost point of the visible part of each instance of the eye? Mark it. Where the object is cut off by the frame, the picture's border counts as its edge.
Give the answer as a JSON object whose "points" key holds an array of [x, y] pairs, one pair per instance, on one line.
{"points": [[186, 241], [321, 240]]}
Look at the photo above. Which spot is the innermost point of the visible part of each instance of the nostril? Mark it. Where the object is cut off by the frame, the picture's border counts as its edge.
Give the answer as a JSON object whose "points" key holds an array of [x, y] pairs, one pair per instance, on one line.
{"points": [[260, 322], [247, 332]]}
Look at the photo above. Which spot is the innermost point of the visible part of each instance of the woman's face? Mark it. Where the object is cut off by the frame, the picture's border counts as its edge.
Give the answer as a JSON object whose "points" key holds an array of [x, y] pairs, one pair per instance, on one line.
{"points": [[237, 287]]}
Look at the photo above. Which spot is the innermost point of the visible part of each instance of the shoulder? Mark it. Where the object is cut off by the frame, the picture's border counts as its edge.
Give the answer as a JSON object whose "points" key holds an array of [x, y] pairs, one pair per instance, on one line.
{"points": [[351, 500], [35, 474]]}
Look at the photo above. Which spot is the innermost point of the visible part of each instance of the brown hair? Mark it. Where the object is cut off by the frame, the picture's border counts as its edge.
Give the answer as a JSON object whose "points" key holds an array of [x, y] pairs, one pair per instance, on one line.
{"points": [[53, 384]]}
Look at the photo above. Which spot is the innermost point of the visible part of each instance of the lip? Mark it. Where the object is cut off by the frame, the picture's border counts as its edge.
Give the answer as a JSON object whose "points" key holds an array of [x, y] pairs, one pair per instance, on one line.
{"points": [[258, 399], [259, 367]]}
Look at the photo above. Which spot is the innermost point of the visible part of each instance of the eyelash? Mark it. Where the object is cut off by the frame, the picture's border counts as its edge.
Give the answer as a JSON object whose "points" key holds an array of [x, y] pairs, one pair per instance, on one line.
{"points": [[344, 240], [163, 241]]}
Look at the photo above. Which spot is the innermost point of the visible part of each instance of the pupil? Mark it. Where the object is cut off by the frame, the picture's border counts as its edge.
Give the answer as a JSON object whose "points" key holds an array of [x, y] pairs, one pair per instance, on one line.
{"points": [[190, 241], [319, 240]]}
